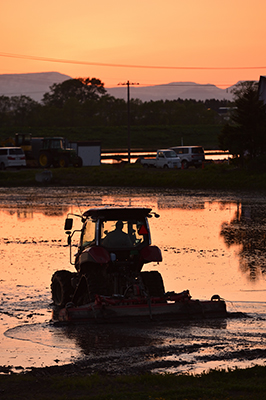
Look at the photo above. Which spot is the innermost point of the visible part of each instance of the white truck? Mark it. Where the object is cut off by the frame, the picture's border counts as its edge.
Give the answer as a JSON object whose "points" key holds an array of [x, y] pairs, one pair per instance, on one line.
{"points": [[165, 158]]}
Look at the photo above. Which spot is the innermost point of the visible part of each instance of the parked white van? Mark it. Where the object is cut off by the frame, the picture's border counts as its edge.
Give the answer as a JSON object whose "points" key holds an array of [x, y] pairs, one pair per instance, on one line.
{"points": [[190, 155], [12, 157]]}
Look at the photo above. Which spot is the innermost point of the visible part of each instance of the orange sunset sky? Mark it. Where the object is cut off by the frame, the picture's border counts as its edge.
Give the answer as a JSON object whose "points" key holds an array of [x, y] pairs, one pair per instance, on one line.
{"points": [[144, 41]]}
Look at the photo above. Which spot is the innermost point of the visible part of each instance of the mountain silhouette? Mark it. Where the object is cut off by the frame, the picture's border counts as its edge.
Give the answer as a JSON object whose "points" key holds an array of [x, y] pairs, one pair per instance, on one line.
{"points": [[173, 91], [34, 85]]}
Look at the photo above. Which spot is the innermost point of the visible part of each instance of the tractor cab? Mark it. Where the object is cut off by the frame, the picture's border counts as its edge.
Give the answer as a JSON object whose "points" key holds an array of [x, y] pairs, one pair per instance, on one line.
{"points": [[120, 235], [115, 243], [115, 230]]}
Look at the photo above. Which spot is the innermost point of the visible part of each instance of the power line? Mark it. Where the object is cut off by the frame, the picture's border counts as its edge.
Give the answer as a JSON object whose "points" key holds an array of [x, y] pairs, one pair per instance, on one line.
{"points": [[58, 60]]}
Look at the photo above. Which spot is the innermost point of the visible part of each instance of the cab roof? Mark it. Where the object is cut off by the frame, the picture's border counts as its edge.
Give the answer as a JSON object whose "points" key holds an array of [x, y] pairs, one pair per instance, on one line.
{"points": [[113, 213]]}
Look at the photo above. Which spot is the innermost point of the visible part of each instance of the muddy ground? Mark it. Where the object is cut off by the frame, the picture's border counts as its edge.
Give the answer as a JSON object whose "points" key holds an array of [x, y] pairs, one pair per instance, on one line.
{"points": [[153, 347]]}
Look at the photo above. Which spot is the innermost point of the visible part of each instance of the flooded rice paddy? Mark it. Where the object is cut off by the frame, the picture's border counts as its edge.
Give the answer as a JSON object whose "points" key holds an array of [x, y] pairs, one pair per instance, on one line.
{"points": [[211, 244]]}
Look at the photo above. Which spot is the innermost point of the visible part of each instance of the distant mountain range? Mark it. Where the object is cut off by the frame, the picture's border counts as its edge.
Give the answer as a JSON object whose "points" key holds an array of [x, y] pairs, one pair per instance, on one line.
{"points": [[35, 85], [173, 91]]}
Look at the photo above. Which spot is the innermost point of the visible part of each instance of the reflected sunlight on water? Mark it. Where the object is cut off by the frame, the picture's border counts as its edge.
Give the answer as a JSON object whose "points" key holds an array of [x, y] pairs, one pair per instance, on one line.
{"points": [[198, 236]]}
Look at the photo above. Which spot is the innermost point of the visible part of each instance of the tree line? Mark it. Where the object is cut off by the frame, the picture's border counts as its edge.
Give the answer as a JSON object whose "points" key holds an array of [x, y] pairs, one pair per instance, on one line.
{"points": [[85, 102]]}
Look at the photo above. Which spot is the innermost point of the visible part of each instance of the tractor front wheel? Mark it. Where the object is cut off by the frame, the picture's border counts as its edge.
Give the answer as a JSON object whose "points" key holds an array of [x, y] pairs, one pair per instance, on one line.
{"points": [[63, 162], [45, 160]]}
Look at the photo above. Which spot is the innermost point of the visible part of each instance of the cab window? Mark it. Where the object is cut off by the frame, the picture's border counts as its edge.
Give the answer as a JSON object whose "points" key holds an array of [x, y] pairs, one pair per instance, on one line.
{"points": [[118, 233], [170, 154], [88, 236]]}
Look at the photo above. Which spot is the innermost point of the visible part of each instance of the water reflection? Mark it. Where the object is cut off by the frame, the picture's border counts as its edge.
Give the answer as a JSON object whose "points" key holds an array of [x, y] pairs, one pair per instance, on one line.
{"points": [[189, 230], [28, 212], [248, 229], [100, 339], [210, 244], [161, 204]]}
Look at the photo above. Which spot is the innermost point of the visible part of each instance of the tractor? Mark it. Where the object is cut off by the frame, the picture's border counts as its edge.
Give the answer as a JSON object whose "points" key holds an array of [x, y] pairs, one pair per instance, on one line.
{"points": [[115, 243], [54, 152]]}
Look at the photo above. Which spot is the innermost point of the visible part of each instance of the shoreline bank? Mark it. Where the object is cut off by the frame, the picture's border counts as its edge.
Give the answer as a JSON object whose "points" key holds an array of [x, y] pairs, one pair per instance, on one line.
{"points": [[211, 177]]}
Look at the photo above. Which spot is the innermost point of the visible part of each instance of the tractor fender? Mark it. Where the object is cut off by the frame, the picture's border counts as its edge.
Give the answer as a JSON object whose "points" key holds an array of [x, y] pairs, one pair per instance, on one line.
{"points": [[95, 254], [151, 253]]}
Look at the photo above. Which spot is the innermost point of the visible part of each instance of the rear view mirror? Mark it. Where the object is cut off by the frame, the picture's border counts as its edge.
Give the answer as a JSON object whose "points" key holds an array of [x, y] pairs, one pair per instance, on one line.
{"points": [[68, 224]]}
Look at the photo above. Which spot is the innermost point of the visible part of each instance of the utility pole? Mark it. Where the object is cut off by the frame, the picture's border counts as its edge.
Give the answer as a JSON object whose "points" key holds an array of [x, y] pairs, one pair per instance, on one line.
{"points": [[128, 117]]}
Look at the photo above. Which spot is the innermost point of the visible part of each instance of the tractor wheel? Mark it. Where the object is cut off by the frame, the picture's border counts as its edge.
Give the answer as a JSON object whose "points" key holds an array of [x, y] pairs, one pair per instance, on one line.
{"points": [[86, 290], [45, 160], [91, 283], [153, 283], [78, 163], [63, 162], [61, 287]]}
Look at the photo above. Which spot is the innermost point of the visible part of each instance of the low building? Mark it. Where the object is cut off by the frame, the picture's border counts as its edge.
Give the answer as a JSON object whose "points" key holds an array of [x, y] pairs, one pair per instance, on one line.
{"points": [[89, 151]]}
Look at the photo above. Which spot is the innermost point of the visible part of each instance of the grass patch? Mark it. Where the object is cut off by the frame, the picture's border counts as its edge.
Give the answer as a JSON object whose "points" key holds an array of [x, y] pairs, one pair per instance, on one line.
{"points": [[151, 137], [212, 177], [238, 384]]}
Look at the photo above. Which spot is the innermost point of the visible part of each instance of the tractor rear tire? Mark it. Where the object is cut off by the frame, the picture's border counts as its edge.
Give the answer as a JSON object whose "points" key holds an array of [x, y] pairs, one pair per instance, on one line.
{"points": [[78, 163], [153, 282], [45, 159], [91, 283], [62, 290]]}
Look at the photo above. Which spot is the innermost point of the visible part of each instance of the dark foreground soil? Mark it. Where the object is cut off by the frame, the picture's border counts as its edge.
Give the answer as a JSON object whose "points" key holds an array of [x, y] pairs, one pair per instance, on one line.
{"points": [[63, 383]]}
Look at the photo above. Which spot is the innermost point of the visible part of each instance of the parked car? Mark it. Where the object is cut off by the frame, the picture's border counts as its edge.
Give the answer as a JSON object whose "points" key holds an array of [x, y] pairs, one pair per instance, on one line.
{"points": [[166, 158], [190, 155], [12, 157]]}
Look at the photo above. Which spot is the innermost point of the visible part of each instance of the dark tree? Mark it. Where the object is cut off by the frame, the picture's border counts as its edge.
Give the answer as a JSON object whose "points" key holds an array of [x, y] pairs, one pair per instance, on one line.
{"points": [[247, 132], [5, 110], [82, 89]]}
